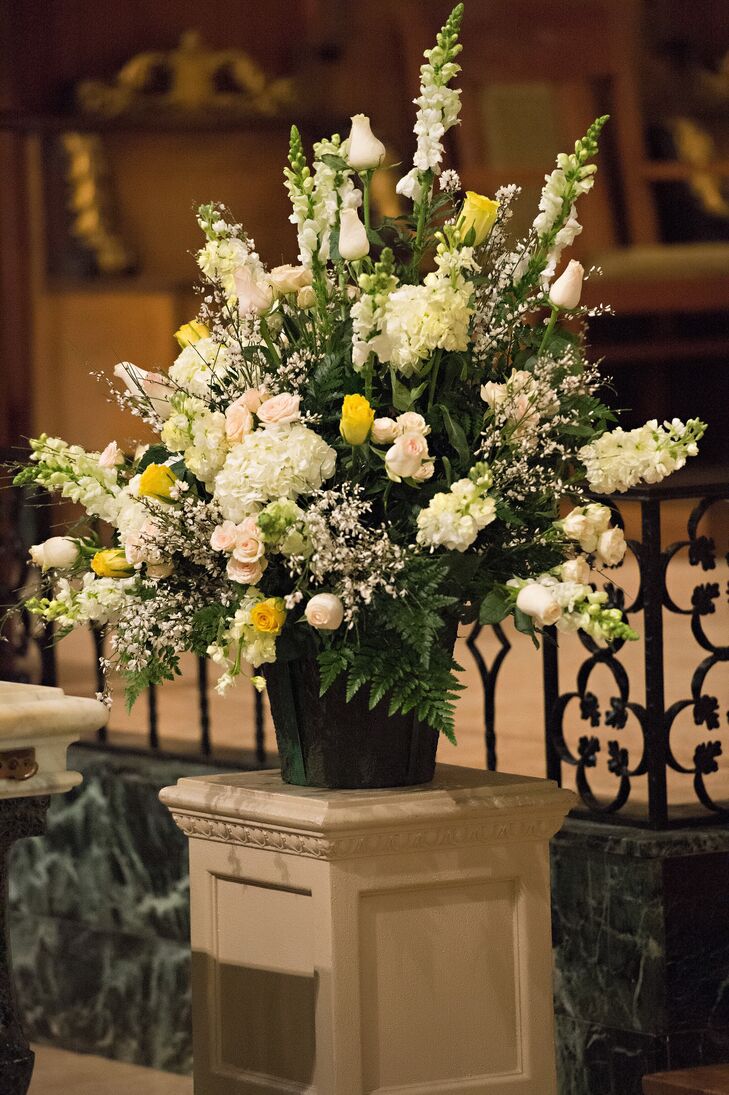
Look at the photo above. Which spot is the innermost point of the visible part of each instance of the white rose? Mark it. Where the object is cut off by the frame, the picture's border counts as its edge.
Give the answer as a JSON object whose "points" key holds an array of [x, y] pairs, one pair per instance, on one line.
{"points": [[384, 430], [238, 419], [425, 471], [306, 297], [576, 525], [611, 547], [324, 611], [280, 410], [537, 601], [111, 457], [289, 279], [248, 574], [404, 457], [147, 387], [576, 570], [411, 422], [248, 547], [365, 151], [353, 242], [59, 551], [254, 294], [566, 291], [599, 516]]}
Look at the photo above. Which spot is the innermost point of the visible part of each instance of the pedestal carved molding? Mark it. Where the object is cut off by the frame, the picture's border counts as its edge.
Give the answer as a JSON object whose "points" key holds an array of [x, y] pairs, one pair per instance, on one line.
{"points": [[376, 843]]}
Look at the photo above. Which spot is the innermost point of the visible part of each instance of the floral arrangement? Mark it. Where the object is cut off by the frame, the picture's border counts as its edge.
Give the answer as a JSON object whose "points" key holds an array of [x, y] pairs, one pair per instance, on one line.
{"points": [[359, 448]]}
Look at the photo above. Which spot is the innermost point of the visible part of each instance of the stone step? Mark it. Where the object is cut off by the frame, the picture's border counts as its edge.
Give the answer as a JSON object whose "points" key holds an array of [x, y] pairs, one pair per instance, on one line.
{"points": [[709, 1080]]}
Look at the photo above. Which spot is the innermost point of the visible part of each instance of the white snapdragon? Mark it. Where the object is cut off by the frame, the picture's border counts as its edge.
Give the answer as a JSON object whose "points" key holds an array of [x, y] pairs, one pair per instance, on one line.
{"points": [[438, 108], [78, 476], [621, 458], [275, 462]]}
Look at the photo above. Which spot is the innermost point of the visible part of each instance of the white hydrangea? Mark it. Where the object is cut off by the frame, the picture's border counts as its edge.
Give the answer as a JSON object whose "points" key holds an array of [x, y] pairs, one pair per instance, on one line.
{"points": [[275, 462], [453, 520], [622, 458], [423, 318], [199, 434], [198, 365]]}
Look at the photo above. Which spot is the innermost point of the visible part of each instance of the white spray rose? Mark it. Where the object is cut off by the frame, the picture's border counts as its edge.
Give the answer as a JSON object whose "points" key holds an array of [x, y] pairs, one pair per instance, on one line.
{"points": [[404, 457], [306, 297], [353, 242], [566, 291], [576, 570], [611, 547], [280, 410], [384, 431], [537, 601], [324, 611], [411, 422], [365, 151], [289, 279], [59, 551]]}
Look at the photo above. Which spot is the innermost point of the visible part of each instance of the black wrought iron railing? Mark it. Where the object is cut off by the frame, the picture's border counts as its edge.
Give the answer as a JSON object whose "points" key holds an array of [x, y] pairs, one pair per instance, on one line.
{"points": [[639, 789]]}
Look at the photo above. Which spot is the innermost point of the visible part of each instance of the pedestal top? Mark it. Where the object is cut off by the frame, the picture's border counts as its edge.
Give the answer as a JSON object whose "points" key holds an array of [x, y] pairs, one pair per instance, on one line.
{"points": [[37, 724], [461, 805]]}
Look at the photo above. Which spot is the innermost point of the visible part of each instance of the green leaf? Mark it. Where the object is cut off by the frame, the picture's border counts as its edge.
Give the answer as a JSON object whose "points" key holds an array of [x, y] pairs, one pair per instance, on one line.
{"points": [[495, 606], [155, 454], [402, 396], [456, 436], [335, 162]]}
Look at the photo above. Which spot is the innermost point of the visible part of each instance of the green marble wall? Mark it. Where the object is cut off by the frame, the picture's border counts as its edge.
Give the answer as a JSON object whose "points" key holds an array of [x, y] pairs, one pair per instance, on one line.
{"points": [[100, 918], [641, 934]]}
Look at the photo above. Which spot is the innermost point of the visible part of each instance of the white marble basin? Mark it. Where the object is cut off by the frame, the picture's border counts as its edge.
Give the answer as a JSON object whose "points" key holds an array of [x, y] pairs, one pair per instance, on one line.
{"points": [[46, 721]]}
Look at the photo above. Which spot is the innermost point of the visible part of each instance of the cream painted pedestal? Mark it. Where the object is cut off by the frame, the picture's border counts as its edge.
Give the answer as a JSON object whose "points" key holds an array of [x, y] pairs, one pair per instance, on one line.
{"points": [[352, 942]]}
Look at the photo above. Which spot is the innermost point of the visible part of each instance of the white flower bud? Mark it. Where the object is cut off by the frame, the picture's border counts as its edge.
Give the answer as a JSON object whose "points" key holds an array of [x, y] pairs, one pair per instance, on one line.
{"points": [[353, 242], [60, 552], [384, 431], [576, 570], [566, 291], [611, 547], [365, 151], [324, 611], [146, 387], [537, 601]]}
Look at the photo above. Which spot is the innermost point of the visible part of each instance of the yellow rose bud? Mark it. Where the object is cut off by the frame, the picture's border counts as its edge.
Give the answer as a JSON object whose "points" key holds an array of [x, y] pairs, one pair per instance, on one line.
{"points": [[268, 616], [156, 481], [111, 563], [478, 213], [190, 333], [356, 421]]}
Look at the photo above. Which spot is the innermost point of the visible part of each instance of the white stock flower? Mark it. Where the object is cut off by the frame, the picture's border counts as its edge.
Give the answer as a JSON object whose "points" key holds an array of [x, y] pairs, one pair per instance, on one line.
{"points": [[324, 611], [220, 259], [58, 551], [454, 519], [621, 459], [272, 463], [365, 151]]}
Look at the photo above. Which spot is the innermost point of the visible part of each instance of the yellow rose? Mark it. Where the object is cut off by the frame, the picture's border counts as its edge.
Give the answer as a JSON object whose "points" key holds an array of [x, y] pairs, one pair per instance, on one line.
{"points": [[356, 421], [478, 213], [111, 563], [190, 333], [156, 481], [269, 615]]}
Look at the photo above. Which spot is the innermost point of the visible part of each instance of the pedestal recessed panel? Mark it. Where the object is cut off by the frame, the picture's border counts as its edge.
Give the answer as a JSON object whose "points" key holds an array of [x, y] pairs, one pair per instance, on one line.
{"points": [[264, 981], [426, 954]]}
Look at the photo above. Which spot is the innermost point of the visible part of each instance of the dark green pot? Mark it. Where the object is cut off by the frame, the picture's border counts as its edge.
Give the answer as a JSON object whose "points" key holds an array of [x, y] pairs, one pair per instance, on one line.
{"points": [[327, 742]]}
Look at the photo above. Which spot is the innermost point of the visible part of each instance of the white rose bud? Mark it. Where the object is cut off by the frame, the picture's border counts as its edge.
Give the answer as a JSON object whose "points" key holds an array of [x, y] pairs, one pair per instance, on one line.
{"points": [[353, 242], [60, 552], [384, 431], [611, 547], [576, 570], [535, 600], [566, 291], [111, 457], [144, 386], [254, 294], [365, 151], [324, 611]]}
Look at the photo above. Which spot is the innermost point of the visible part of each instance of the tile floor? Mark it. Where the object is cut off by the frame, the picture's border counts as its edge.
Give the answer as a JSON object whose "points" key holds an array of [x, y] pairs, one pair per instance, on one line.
{"points": [[60, 1073]]}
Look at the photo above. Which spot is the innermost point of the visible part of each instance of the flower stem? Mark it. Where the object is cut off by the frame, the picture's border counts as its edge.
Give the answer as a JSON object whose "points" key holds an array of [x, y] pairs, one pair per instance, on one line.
{"points": [[549, 330], [366, 179], [433, 379]]}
